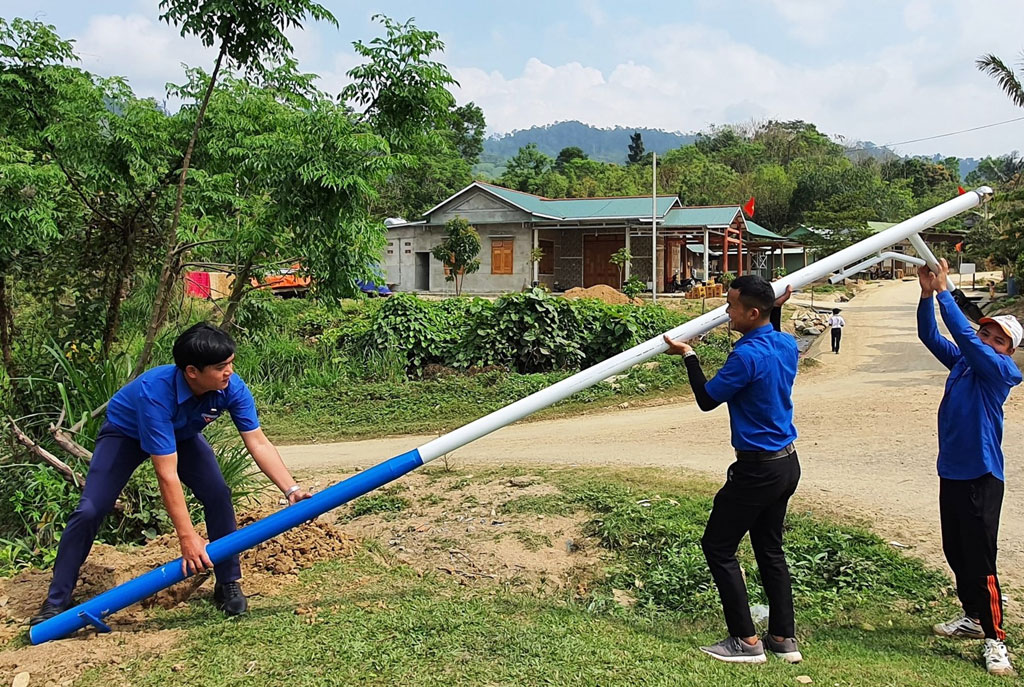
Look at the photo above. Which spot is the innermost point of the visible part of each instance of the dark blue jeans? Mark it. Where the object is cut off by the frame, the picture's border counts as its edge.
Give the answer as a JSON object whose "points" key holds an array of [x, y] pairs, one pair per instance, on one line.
{"points": [[115, 459]]}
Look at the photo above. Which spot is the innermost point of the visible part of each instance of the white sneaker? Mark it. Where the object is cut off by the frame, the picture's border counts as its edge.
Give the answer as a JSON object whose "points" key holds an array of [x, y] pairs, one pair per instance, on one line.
{"points": [[997, 661], [964, 628]]}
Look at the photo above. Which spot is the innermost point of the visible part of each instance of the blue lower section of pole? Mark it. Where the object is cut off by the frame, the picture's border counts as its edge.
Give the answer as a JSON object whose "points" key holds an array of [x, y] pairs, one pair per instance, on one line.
{"points": [[136, 590]]}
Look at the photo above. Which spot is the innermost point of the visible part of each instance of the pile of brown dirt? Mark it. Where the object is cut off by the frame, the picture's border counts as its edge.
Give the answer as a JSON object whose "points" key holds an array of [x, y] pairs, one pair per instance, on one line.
{"points": [[296, 549], [265, 569], [603, 293]]}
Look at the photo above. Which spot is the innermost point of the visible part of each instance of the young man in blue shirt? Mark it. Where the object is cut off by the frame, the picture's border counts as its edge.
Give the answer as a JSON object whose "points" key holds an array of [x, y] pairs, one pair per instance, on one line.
{"points": [[757, 383], [970, 462], [160, 416]]}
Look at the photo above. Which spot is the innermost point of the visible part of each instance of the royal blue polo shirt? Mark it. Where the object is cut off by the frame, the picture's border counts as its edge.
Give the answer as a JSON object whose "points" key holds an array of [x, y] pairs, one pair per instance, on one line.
{"points": [[158, 408], [757, 384], [971, 411]]}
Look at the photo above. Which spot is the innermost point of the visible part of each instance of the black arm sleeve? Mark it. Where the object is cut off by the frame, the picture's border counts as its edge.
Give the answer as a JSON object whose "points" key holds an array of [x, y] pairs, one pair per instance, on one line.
{"points": [[776, 319], [697, 381]]}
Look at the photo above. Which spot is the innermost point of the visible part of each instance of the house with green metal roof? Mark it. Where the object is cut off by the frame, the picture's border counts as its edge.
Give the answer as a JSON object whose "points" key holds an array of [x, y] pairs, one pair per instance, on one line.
{"points": [[574, 239]]}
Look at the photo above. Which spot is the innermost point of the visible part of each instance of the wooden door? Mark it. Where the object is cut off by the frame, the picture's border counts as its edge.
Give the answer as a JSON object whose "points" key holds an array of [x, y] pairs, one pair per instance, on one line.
{"points": [[597, 251]]}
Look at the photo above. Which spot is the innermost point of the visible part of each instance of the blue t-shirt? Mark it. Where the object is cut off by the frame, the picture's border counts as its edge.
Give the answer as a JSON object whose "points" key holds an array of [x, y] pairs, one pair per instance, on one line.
{"points": [[158, 408], [757, 383], [971, 411]]}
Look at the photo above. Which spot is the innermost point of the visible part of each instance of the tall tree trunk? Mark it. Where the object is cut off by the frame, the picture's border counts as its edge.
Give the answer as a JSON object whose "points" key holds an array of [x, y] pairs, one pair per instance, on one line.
{"points": [[6, 326], [117, 292], [169, 271], [237, 289]]}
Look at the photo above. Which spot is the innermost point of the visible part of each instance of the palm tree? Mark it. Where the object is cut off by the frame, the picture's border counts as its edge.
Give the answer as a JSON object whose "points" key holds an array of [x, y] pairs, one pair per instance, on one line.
{"points": [[1008, 81]]}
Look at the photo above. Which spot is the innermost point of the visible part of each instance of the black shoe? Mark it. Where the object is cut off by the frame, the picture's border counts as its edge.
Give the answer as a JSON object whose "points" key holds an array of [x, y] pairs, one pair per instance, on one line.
{"points": [[229, 598], [47, 611]]}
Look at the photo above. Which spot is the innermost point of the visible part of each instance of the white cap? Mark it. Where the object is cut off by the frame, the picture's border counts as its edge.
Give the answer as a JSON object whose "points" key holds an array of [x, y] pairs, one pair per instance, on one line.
{"points": [[1009, 324]]}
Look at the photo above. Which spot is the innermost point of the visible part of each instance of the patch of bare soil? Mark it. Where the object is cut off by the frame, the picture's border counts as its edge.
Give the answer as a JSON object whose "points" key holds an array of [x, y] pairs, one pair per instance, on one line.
{"points": [[460, 527], [266, 569]]}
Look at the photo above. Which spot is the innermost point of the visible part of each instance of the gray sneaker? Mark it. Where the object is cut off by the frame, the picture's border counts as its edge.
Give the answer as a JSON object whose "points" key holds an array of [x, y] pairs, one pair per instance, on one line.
{"points": [[787, 649], [735, 650]]}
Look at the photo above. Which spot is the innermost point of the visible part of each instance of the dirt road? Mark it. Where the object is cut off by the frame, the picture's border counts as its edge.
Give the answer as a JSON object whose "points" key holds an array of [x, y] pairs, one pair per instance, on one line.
{"points": [[867, 423]]}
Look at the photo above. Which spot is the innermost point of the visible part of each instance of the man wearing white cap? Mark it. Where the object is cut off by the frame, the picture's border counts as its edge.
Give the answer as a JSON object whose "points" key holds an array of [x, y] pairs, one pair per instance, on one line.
{"points": [[970, 463]]}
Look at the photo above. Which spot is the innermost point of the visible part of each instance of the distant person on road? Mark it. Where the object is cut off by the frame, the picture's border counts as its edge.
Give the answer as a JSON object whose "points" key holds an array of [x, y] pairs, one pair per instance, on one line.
{"points": [[757, 384], [836, 324], [160, 416], [970, 462]]}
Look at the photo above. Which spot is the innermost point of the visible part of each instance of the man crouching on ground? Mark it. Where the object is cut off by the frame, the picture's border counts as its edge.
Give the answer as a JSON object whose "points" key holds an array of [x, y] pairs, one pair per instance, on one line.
{"points": [[160, 415]]}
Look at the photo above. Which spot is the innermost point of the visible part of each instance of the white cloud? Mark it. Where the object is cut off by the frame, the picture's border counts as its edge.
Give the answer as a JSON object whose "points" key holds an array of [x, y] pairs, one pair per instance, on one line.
{"points": [[917, 15], [146, 51], [593, 11], [810, 21], [695, 77]]}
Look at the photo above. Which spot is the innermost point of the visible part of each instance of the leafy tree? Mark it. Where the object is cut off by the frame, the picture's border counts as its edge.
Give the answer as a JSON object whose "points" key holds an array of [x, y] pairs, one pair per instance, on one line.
{"points": [[404, 95], [696, 179], [730, 147], [784, 142], [1004, 76], [773, 188], [467, 132], [277, 158], [248, 36], [94, 161], [458, 251], [636, 148], [567, 155], [525, 170], [997, 170], [619, 259]]}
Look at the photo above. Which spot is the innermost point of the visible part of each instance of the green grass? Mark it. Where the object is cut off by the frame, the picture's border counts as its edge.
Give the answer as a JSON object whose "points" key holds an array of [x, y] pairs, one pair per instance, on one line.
{"points": [[385, 501], [432, 632], [864, 612], [832, 288], [350, 409]]}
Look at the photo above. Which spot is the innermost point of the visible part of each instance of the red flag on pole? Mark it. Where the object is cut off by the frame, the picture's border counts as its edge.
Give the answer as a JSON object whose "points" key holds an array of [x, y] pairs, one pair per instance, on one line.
{"points": [[959, 247], [961, 190], [749, 207]]}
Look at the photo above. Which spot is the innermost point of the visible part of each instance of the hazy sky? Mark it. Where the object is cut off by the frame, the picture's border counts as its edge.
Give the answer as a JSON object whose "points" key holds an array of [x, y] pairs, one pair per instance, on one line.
{"points": [[885, 71]]}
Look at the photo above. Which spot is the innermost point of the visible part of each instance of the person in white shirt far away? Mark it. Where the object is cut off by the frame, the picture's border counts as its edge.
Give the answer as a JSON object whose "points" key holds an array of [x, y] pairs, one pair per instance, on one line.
{"points": [[836, 324]]}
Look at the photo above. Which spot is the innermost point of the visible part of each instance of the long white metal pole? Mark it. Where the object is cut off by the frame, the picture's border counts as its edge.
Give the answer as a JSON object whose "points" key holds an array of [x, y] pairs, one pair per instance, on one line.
{"points": [[874, 260], [695, 327], [929, 257], [707, 248], [536, 263], [654, 226]]}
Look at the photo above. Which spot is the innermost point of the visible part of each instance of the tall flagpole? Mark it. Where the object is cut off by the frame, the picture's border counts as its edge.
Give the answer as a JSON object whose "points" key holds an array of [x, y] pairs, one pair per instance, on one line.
{"points": [[654, 226]]}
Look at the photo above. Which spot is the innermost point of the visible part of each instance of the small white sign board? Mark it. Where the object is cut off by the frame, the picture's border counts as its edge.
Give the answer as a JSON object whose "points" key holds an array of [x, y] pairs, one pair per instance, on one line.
{"points": [[967, 268]]}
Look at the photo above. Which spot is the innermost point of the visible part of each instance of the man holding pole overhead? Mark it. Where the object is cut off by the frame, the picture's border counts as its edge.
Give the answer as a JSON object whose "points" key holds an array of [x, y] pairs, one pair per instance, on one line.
{"points": [[970, 462]]}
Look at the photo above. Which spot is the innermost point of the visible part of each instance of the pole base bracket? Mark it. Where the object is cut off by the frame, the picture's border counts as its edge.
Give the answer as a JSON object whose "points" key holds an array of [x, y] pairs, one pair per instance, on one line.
{"points": [[95, 621]]}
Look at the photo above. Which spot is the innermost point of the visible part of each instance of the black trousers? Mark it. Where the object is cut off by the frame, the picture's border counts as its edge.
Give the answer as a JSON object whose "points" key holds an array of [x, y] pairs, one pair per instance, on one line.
{"points": [[837, 334], [754, 499], [969, 513]]}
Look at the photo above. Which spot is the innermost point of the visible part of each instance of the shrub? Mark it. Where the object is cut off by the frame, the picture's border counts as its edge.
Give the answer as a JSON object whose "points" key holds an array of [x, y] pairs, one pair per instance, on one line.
{"points": [[418, 329], [528, 332]]}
